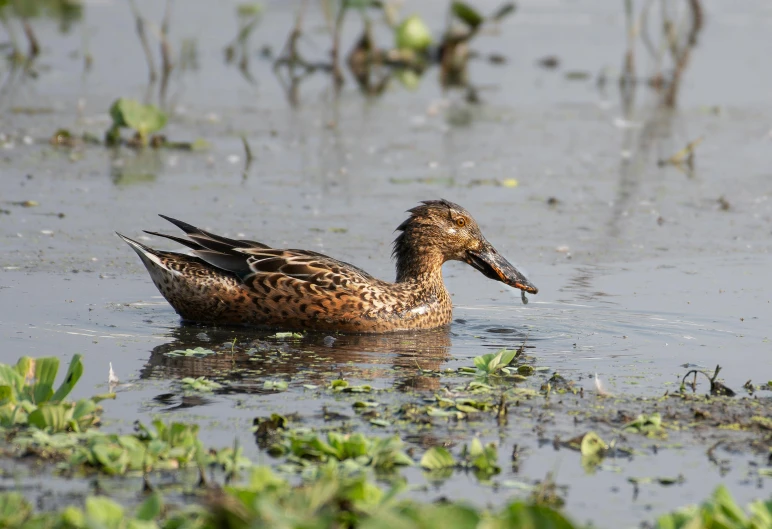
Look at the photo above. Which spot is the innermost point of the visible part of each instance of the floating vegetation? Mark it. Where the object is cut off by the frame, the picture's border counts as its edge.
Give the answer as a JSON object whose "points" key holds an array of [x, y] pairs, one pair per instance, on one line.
{"points": [[287, 335], [592, 448], [275, 385], [302, 446], [201, 384], [481, 459], [495, 363], [332, 498], [648, 425], [144, 120], [342, 386], [337, 499], [339, 461], [163, 447], [198, 352], [28, 399]]}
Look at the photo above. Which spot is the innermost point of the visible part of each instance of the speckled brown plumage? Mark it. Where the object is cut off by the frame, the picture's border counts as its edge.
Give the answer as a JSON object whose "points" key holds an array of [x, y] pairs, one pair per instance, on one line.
{"points": [[241, 282]]}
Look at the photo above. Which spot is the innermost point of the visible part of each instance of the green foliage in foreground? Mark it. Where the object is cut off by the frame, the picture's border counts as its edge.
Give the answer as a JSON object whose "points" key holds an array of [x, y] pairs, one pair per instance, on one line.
{"points": [[163, 447], [332, 499], [337, 490], [304, 446], [335, 499], [28, 399], [719, 512]]}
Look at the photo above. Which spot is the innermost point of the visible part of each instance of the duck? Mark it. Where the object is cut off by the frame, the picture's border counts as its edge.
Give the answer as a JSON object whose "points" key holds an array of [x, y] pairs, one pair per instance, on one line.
{"points": [[224, 281]]}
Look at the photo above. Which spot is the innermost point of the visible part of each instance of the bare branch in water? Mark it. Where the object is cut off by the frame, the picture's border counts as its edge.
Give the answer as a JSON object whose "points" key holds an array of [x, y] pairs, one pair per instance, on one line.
{"points": [[337, 73], [140, 22], [166, 54], [34, 45], [682, 53]]}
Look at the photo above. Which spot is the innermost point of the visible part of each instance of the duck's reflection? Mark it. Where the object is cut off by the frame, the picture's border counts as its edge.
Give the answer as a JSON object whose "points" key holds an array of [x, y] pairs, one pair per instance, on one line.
{"points": [[247, 358]]}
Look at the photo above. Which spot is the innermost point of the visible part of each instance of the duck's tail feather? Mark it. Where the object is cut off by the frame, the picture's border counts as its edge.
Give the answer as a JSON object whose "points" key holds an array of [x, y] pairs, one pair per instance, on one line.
{"points": [[150, 257], [185, 242], [210, 241]]}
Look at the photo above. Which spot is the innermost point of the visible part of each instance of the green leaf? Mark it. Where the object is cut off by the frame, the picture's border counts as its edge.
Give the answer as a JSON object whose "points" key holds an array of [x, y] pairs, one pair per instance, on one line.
{"points": [[413, 34], [198, 351], [593, 449], [502, 359], [287, 335], [74, 372], [251, 9], [361, 4], [437, 458], [104, 512], [503, 11], [200, 384], [481, 362], [45, 376], [144, 119], [14, 509], [24, 367], [73, 517], [592, 445], [728, 507], [761, 513], [525, 516], [42, 393], [51, 417], [82, 408], [113, 458], [646, 424], [276, 385], [467, 14], [476, 449], [6, 395], [46, 369], [151, 508]]}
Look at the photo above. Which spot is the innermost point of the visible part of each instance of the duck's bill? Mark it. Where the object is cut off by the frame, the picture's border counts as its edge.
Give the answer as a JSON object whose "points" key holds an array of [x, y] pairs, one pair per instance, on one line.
{"points": [[493, 265]]}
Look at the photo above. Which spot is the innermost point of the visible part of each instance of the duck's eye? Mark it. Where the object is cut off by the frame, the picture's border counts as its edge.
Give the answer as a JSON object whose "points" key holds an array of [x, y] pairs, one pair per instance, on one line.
{"points": [[460, 222]]}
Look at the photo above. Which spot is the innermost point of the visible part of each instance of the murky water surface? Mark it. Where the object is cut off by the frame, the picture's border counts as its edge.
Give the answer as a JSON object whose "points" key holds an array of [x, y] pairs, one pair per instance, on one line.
{"points": [[644, 272]]}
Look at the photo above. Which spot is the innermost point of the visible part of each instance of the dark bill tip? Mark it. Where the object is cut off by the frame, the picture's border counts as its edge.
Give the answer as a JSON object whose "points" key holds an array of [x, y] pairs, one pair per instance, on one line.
{"points": [[493, 265]]}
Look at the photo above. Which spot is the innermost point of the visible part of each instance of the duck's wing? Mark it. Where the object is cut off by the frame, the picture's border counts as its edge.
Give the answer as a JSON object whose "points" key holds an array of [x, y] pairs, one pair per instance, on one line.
{"points": [[254, 262], [302, 265]]}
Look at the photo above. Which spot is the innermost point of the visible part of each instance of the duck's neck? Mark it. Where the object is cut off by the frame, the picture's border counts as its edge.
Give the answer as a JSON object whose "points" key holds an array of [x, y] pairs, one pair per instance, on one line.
{"points": [[417, 262]]}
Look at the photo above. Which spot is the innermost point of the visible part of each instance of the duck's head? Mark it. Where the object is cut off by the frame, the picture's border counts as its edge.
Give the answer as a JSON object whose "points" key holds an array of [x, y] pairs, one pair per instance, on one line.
{"points": [[439, 231]]}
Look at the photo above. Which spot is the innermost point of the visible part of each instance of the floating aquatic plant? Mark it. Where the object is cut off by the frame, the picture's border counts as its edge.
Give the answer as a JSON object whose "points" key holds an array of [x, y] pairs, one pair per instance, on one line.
{"points": [[144, 120], [27, 396]]}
